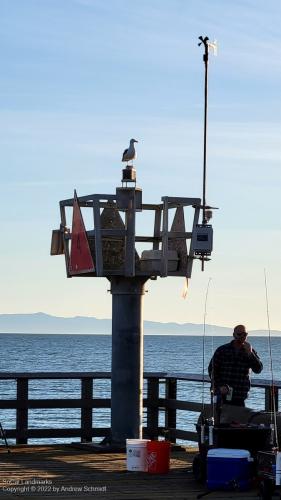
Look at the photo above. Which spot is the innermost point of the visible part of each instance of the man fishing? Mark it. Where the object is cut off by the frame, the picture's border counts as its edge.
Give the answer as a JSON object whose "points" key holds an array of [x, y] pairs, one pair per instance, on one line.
{"points": [[229, 368]]}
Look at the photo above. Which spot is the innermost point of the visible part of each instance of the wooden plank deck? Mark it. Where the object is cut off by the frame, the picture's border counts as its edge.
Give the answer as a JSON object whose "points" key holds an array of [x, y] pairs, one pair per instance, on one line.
{"points": [[68, 472]]}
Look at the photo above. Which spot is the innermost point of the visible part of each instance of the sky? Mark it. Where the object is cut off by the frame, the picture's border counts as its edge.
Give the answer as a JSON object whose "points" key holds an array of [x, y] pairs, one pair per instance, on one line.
{"points": [[78, 79]]}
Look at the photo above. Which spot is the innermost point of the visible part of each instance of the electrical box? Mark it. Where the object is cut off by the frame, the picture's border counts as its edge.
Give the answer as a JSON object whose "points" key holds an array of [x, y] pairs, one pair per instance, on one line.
{"points": [[202, 239]]}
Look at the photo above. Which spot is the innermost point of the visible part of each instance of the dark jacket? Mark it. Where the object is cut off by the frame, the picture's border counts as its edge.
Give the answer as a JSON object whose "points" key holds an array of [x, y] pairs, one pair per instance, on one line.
{"points": [[230, 366]]}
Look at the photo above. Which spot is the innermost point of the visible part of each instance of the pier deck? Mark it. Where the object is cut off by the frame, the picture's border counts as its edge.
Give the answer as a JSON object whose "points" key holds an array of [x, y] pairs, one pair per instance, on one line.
{"points": [[64, 471]]}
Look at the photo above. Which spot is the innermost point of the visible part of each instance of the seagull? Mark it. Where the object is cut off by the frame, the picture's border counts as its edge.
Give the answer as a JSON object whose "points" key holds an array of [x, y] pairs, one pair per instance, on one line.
{"points": [[130, 153]]}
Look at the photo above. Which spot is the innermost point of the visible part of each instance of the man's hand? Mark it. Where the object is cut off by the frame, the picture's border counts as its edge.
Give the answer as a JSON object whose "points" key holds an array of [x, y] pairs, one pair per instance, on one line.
{"points": [[224, 390], [248, 348]]}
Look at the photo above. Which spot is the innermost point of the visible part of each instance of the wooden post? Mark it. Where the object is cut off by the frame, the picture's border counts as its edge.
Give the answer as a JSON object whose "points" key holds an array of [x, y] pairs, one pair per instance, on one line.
{"points": [[22, 410], [165, 243], [170, 413], [130, 217], [98, 239], [152, 407], [86, 412], [157, 228]]}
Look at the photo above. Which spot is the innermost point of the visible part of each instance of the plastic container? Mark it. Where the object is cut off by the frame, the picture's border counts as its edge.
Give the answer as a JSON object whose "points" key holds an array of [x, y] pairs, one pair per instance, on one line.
{"points": [[228, 469], [158, 457], [136, 454]]}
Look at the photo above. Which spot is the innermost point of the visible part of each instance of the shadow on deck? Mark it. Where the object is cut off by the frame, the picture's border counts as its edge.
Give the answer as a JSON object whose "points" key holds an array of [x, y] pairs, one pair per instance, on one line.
{"points": [[62, 472]]}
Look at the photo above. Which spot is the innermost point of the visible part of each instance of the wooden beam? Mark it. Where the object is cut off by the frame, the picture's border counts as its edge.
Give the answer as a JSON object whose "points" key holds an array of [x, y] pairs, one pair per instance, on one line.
{"points": [[98, 239], [164, 260], [54, 403]]}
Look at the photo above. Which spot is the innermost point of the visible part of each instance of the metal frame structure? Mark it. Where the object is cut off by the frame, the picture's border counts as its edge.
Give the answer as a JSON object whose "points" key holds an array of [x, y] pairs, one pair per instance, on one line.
{"points": [[103, 237]]}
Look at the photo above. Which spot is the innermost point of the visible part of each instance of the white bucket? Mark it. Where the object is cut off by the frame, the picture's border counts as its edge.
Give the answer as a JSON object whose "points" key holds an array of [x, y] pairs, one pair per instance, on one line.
{"points": [[137, 454]]}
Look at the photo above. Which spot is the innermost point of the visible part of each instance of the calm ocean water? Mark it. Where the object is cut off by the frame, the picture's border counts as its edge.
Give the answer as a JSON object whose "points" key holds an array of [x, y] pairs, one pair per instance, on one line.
{"points": [[93, 353]]}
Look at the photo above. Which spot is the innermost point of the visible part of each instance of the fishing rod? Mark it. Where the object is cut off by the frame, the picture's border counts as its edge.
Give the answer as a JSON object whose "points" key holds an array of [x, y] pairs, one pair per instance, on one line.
{"points": [[272, 389], [276, 449], [3, 436], [208, 421], [203, 341]]}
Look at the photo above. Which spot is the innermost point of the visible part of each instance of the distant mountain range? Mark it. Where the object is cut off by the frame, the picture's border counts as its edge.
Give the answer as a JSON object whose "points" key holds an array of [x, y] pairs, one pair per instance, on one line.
{"points": [[44, 323]]}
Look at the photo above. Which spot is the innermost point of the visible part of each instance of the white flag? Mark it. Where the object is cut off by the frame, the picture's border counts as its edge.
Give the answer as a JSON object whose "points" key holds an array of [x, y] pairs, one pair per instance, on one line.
{"points": [[185, 287], [214, 46]]}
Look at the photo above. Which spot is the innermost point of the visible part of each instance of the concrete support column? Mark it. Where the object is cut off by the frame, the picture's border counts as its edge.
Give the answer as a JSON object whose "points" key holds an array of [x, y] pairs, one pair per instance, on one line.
{"points": [[127, 358]]}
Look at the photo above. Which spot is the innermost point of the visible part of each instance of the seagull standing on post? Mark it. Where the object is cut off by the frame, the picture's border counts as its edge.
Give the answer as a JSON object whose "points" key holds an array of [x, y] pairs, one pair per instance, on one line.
{"points": [[130, 153]]}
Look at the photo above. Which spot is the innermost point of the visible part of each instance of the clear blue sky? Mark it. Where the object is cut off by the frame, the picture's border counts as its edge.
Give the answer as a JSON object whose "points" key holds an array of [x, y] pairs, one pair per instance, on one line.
{"points": [[78, 79]]}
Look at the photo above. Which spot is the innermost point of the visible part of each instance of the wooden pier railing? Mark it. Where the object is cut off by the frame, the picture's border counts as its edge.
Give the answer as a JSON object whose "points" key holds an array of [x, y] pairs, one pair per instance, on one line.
{"points": [[157, 402]]}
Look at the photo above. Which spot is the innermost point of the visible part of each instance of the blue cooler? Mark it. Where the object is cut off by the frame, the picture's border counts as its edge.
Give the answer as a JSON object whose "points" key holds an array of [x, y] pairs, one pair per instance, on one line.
{"points": [[228, 469]]}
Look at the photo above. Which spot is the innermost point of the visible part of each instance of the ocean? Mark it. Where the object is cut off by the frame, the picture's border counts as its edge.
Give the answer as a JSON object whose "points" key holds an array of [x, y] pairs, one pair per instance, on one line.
{"points": [[167, 353]]}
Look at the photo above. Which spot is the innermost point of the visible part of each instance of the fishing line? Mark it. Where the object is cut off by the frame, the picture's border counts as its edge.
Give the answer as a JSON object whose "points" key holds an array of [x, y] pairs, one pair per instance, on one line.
{"points": [[212, 376], [203, 346], [271, 361]]}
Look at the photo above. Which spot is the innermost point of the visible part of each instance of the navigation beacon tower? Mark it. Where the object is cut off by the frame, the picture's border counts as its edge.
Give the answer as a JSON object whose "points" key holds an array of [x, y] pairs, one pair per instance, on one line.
{"points": [[108, 249]]}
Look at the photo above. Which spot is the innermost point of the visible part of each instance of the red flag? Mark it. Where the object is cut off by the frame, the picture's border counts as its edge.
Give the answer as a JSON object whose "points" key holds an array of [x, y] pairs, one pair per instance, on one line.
{"points": [[81, 260]]}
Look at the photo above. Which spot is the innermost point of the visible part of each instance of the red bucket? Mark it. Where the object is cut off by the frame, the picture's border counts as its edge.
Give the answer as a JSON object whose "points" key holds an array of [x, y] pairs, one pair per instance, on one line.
{"points": [[158, 457]]}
